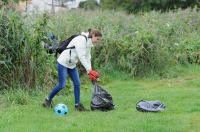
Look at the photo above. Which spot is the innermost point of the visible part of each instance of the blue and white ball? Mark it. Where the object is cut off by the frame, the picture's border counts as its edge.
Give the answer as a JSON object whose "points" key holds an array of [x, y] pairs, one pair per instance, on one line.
{"points": [[61, 109]]}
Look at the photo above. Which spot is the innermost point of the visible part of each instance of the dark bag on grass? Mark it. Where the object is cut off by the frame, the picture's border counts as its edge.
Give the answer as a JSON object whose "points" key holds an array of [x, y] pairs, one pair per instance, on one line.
{"points": [[101, 99], [150, 106]]}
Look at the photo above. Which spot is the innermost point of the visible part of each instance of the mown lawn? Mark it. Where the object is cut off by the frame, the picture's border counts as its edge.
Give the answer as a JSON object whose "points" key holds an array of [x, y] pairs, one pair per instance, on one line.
{"points": [[180, 95]]}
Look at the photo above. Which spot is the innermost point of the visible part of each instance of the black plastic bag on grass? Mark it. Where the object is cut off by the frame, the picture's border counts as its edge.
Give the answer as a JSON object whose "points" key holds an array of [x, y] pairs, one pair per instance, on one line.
{"points": [[150, 106], [101, 99]]}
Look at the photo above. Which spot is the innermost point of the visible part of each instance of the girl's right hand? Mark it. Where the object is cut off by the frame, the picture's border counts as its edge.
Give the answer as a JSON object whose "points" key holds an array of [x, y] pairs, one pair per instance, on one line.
{"points": [[93, 75]]}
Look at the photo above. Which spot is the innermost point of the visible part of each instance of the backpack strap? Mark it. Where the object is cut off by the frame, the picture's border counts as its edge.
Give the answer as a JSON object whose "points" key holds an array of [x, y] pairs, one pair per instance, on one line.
{"points": [[73, 47]]}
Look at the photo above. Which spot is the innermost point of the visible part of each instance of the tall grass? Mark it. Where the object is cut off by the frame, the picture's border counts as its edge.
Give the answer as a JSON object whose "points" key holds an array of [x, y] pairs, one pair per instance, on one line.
{"points": [[23, 60], [139, 45]]}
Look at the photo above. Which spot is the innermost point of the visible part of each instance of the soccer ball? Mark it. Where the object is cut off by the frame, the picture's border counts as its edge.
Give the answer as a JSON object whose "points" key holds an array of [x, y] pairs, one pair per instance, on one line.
{"points": [[61, 109]]}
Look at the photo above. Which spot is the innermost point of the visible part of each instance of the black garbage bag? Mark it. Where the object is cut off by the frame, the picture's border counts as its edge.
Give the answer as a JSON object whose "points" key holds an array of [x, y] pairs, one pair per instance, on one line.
{"points": [[101, 99], [150, 106]]}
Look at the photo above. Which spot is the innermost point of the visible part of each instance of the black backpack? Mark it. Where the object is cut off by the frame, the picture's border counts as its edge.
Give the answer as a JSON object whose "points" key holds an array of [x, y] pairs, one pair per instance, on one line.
{"points": [[150, 106], [101, 99], [59, 48]]}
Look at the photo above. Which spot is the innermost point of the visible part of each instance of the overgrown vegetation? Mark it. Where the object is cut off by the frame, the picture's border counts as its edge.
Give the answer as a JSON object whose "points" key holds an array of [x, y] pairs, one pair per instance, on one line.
{"points": [[139, 45], [23, 60], [89, 5], [134, 6]]}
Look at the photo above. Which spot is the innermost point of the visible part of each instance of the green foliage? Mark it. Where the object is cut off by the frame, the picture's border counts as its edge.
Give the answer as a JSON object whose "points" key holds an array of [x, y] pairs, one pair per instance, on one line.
{"points": [[12, 41], [23, 59], [17, 96], [89, 5], [148, 5], [110, 4], [136, 45], [9, 1]]}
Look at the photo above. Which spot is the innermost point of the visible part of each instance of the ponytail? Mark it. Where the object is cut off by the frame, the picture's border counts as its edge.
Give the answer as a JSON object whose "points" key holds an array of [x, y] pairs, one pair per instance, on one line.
{"points": [[89, 30]]}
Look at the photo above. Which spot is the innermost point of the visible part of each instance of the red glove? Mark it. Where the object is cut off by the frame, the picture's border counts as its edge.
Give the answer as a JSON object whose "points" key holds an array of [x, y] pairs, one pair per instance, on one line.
{"points": [[93, 75]]}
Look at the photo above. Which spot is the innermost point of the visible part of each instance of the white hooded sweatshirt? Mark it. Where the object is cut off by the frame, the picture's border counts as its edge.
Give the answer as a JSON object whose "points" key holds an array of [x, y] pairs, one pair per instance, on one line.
{"points": [[80, 52]]}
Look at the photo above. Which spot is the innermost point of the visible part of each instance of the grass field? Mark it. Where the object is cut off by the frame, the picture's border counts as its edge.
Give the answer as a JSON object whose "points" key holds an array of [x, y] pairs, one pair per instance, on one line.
{"points": [[180, 95]]}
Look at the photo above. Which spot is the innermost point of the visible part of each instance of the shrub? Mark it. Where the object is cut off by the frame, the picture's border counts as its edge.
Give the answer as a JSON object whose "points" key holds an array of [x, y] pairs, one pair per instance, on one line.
{"points": [[23, 59], [89, 5]]}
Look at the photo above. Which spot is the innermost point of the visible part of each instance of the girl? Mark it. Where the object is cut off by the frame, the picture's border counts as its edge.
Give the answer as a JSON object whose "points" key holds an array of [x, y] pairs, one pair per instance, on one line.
{"points": [[66, 65]]}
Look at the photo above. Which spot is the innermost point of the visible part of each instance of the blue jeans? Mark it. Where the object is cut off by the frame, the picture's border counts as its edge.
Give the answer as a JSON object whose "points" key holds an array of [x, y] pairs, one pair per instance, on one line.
{"points": [[63, 72]]}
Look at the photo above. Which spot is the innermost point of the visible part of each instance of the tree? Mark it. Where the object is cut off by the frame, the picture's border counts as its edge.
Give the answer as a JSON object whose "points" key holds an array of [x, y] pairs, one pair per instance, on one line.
{"points": [[147, 5]]}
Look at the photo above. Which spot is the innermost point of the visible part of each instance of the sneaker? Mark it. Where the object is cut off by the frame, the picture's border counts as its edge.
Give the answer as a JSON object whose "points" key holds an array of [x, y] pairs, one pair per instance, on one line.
{"points": [[47, 103], [80, 107]]}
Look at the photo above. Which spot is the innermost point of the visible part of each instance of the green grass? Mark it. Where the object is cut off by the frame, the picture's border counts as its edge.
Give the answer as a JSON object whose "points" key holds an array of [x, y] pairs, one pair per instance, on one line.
{"points": [[181, 96]]}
